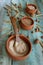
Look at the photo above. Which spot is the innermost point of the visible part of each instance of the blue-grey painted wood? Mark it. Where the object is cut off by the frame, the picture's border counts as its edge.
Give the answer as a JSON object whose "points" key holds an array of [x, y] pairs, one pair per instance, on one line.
{"points": [[36, 56]]}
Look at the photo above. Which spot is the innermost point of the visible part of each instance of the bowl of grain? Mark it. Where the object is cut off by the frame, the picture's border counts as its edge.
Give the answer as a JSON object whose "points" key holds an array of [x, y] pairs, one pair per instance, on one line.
{"points": [[27, 23], [11, 49], [31, 9]]}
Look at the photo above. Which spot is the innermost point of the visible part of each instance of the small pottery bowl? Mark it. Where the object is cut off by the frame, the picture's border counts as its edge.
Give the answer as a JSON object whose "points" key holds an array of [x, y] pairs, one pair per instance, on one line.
{"points": [[31, 9], [10, 52], [27, 23]]}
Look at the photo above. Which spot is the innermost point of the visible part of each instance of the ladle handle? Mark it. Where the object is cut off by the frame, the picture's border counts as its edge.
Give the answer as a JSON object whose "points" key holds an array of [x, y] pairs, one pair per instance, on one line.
{"points": [[13, 21]]}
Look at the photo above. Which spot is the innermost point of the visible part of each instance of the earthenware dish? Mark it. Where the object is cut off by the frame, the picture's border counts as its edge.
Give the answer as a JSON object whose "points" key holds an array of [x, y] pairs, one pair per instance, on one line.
{"points": [[24, 26], [31, 11], [10, 52]]}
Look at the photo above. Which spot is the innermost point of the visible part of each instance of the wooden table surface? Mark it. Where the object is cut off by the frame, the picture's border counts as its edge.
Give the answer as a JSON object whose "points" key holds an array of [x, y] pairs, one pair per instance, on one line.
{"points": [[36, 56]]}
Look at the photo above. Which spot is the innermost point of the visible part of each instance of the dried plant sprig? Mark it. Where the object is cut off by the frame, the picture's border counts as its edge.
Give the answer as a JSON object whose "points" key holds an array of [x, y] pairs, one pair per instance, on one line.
{"points": [[39, 15], [37, 29], [16, 15], [38, 12], [19, 6], [37, 20], [15, 8], [36, 41], [41, 44], [15, 5], [41, 31], [39, 25], [9, 14], [8, 8], [22, 15], [33, 31], [16, 11]]}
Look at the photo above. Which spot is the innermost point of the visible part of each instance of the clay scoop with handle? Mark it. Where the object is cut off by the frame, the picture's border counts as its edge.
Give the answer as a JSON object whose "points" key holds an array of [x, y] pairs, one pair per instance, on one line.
{"points": [[18, 41]]}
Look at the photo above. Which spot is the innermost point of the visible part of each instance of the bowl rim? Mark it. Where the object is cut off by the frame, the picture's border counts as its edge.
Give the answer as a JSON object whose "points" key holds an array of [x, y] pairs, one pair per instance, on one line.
{"points": [[27, 17], [32, 5]]}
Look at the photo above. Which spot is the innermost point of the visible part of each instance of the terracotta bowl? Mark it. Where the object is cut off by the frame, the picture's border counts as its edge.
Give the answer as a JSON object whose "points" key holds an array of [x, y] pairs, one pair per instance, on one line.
{"points": [[10, 52], [24, 26], [31, 11]]}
